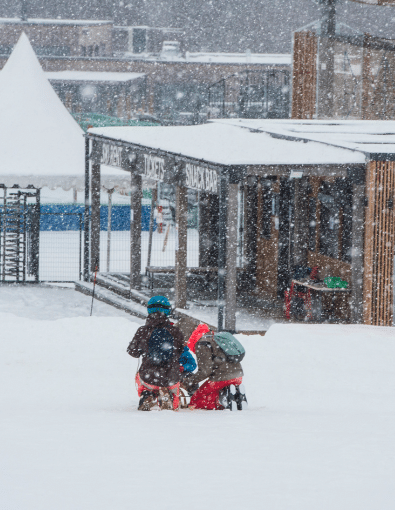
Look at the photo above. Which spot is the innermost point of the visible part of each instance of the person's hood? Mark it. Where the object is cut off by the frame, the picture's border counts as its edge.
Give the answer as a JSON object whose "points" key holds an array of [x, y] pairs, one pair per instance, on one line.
{"points": [[201, 330]]}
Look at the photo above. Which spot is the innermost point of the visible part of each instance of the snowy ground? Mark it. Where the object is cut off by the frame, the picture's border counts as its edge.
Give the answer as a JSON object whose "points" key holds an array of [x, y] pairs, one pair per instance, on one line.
{"points": [[319, 433]]}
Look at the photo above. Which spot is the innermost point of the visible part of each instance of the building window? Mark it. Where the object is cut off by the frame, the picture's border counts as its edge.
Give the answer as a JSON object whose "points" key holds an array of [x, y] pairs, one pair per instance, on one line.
{"points": [[83, 51]]}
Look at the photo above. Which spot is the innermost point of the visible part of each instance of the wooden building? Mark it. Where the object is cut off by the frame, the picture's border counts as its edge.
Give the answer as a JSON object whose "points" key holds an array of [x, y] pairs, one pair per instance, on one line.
{"points": [[59, 37], [315, 193], [177, 89], [348, 75], [114, 94]]}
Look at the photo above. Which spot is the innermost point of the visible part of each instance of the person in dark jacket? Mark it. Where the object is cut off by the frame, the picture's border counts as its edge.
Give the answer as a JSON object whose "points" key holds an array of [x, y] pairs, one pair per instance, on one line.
{"points": [[158, 382], [223, 388]]}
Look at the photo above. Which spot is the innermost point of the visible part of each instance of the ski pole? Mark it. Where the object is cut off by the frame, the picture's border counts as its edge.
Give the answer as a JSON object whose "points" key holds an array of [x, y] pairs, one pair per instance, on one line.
{"points": [[94, 284]]}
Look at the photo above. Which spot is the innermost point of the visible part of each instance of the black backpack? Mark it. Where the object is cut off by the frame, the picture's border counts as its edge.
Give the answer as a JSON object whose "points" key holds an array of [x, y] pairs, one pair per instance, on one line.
{"points": [[160, 346]]}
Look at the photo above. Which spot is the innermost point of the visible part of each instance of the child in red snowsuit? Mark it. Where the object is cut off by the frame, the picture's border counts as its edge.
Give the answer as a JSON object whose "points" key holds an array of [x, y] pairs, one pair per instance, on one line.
{"points": [[213, 365]]}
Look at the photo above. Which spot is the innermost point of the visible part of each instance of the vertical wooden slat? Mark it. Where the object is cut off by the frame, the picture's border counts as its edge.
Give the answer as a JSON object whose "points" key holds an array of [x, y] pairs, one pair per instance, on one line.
{"points": [[382, 235], [95, 217], [386, 237], [368, 260], [304, 75], [181, 247], [136, 195], [357, 252], [231, 258], [366, 83], [390, 241], [379, 244]]}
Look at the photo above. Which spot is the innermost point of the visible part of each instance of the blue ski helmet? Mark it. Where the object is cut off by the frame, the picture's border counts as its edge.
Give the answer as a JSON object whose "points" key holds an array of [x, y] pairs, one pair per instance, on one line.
{"points": [[159, 304]]}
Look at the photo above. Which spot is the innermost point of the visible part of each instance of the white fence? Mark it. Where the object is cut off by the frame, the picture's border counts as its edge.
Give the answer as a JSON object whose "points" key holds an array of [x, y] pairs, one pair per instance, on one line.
{"points": [[61, 253]]}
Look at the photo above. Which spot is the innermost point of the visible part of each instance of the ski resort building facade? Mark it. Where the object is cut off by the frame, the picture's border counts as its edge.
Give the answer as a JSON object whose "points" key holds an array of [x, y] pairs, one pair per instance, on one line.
{"points": [[274, 195]]}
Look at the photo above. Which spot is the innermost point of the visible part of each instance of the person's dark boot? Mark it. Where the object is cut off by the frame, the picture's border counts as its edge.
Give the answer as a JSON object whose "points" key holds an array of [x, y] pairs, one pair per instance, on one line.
{"points": [[148, 401], [240, 397], [227, 398]]}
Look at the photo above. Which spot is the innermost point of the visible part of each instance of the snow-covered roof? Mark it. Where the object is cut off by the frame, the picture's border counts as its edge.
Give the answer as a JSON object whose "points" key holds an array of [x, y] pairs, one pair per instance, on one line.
{"points": [[284, 59], [40, 142], [228, 144], [92, 76], [367, 136], [240, 58], [56, 21]]}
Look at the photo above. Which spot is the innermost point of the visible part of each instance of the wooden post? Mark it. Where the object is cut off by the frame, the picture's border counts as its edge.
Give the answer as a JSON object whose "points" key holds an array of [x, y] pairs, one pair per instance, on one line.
{"points": [[151, 224], [301, 223], [325, 77], [95, 217], [204, 231], [86, 213], [109, 211], [251, 228], [231, 258], [222, 220], [181, 247], [358, 220], [135, 231]]}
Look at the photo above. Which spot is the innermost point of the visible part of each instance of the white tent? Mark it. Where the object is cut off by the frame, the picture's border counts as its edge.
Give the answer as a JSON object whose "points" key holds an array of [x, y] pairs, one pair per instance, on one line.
{"points": [[40, 142]]}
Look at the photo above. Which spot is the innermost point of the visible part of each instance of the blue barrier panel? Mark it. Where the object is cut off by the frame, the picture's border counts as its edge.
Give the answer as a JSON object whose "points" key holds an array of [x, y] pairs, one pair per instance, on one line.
{"points": [[61, 217]]}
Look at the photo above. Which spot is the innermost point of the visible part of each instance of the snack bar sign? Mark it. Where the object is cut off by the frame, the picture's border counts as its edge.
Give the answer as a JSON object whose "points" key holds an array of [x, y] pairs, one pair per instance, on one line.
{"points": [[201, 178]]}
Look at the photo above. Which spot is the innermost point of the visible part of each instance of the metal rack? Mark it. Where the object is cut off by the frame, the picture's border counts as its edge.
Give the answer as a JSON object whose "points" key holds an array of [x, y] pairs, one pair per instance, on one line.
{"points": [[19, 234]]}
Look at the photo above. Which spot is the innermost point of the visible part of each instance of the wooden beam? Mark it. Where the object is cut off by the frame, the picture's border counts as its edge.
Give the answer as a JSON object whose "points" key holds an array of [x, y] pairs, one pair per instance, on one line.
{"points": [[181, 247], [357, 252], [301, 223], [135, 231], [231, 257], [154, 199], [86, 211], [95, 217]]}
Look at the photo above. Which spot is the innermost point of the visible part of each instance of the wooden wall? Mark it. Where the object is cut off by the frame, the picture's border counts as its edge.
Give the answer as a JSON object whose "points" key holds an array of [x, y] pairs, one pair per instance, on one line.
{"points": [[304, 75], [267, 251], [379, 243], [267, 262]]}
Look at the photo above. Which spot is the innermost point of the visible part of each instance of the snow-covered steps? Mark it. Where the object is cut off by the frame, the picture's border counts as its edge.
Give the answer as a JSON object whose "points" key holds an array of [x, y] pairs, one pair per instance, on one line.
{"points": [[113, 299], [119, 284]]}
